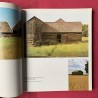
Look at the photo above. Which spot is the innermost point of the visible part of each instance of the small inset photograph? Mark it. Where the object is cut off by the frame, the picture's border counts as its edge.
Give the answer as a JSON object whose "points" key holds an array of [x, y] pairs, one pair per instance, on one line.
{"points": [[78, 74]]}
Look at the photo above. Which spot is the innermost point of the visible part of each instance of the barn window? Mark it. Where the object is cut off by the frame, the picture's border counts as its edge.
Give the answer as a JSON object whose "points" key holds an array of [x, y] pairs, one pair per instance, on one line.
{"points": [[59, 38]]}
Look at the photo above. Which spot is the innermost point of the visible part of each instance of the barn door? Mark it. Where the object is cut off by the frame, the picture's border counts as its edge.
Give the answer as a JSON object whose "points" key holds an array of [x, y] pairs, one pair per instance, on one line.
{"points": [[59, 38], [64, 38]]}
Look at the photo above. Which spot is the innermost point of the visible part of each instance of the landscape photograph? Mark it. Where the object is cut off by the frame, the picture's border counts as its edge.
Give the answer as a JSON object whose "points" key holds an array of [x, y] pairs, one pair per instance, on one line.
{"points": [[78, 74], [10, 34], [59, 36]]}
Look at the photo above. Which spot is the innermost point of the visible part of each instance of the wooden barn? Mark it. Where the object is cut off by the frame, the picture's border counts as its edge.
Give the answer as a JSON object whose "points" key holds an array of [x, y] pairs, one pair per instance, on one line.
{"points": [[62, 31], [5, 29], [59, 31], [77, 72]]}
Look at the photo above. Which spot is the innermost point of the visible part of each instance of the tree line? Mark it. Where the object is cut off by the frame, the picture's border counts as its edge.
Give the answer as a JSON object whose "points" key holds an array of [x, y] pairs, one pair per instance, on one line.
{"points": [[85, 30]]}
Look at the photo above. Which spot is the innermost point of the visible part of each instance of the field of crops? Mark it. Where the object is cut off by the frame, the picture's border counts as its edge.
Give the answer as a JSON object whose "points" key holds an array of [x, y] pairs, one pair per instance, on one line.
{"points": [[79, 49], [10, 48], [78, 82]]}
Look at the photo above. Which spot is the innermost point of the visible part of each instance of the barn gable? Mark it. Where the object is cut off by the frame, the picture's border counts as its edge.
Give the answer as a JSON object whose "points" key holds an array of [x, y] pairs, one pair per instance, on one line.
{"points": [[33, 29], [60, 20], [4, 27]]}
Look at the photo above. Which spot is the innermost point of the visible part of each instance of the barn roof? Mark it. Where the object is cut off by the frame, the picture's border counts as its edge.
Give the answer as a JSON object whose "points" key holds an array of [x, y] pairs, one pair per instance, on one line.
{"points": [[59, 26], [60, 20], [34, 18], [4, 27], [62, 27], [77, 71]]}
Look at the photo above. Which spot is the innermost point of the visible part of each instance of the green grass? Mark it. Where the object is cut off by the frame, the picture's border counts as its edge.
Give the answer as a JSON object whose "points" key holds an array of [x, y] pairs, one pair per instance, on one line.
{"points": [[79, 49], [10, 47], [84, 38]]}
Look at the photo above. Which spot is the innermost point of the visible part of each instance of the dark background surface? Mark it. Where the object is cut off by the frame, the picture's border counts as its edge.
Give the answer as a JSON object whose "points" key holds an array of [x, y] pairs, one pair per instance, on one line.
{"points": [[67, 4]]}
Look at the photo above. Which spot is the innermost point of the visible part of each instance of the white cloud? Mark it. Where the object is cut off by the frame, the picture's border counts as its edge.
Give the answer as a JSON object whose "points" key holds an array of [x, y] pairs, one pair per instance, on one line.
{"points": [[77, 64]]}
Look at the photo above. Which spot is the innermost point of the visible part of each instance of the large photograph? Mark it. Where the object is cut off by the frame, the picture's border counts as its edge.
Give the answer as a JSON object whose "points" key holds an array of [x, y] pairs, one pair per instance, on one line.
{"points": [[57, 33]]}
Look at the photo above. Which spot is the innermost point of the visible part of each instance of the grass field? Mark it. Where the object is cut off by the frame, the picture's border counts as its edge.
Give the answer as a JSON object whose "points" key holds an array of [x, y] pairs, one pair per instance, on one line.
{"points": [[84, 38], [79, 49], [78, 82], [10, 48]]}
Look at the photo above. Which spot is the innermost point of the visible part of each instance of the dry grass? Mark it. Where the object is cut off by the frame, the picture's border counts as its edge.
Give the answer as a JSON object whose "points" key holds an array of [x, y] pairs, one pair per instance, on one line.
{"points": [[60, 50], [10, 48], [76, 49], [84, 38], [78, 82]]}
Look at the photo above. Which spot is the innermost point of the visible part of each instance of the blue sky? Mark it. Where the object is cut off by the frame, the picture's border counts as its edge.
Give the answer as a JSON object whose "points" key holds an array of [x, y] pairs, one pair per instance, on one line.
{"points": [[12, 16], [77, 64]]}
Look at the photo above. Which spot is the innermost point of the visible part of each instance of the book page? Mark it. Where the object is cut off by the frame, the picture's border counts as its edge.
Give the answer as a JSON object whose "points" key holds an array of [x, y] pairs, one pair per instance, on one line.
{"points": [[58, 47], [10, 50]]}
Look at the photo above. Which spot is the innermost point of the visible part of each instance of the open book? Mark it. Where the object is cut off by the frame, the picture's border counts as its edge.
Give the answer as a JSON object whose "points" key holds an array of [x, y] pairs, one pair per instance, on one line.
{"points": [[44, 50]]}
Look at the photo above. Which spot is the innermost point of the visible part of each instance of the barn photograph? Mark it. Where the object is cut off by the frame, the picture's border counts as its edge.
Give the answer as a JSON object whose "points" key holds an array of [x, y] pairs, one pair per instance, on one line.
{"points": [[56, 33], [78, 74], [10, 34]]}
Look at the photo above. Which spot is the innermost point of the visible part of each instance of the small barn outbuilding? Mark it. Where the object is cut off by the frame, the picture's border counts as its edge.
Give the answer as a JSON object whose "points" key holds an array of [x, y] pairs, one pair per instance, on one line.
{"points": [[77, 72]]}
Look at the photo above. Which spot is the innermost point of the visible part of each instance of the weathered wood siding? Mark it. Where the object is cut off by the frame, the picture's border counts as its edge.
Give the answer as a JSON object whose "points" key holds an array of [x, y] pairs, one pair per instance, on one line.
{"points": [[33, 31], [30, 31], [8, 34], [65, 37], [74, 37], [38, 33], [47, 36]]}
